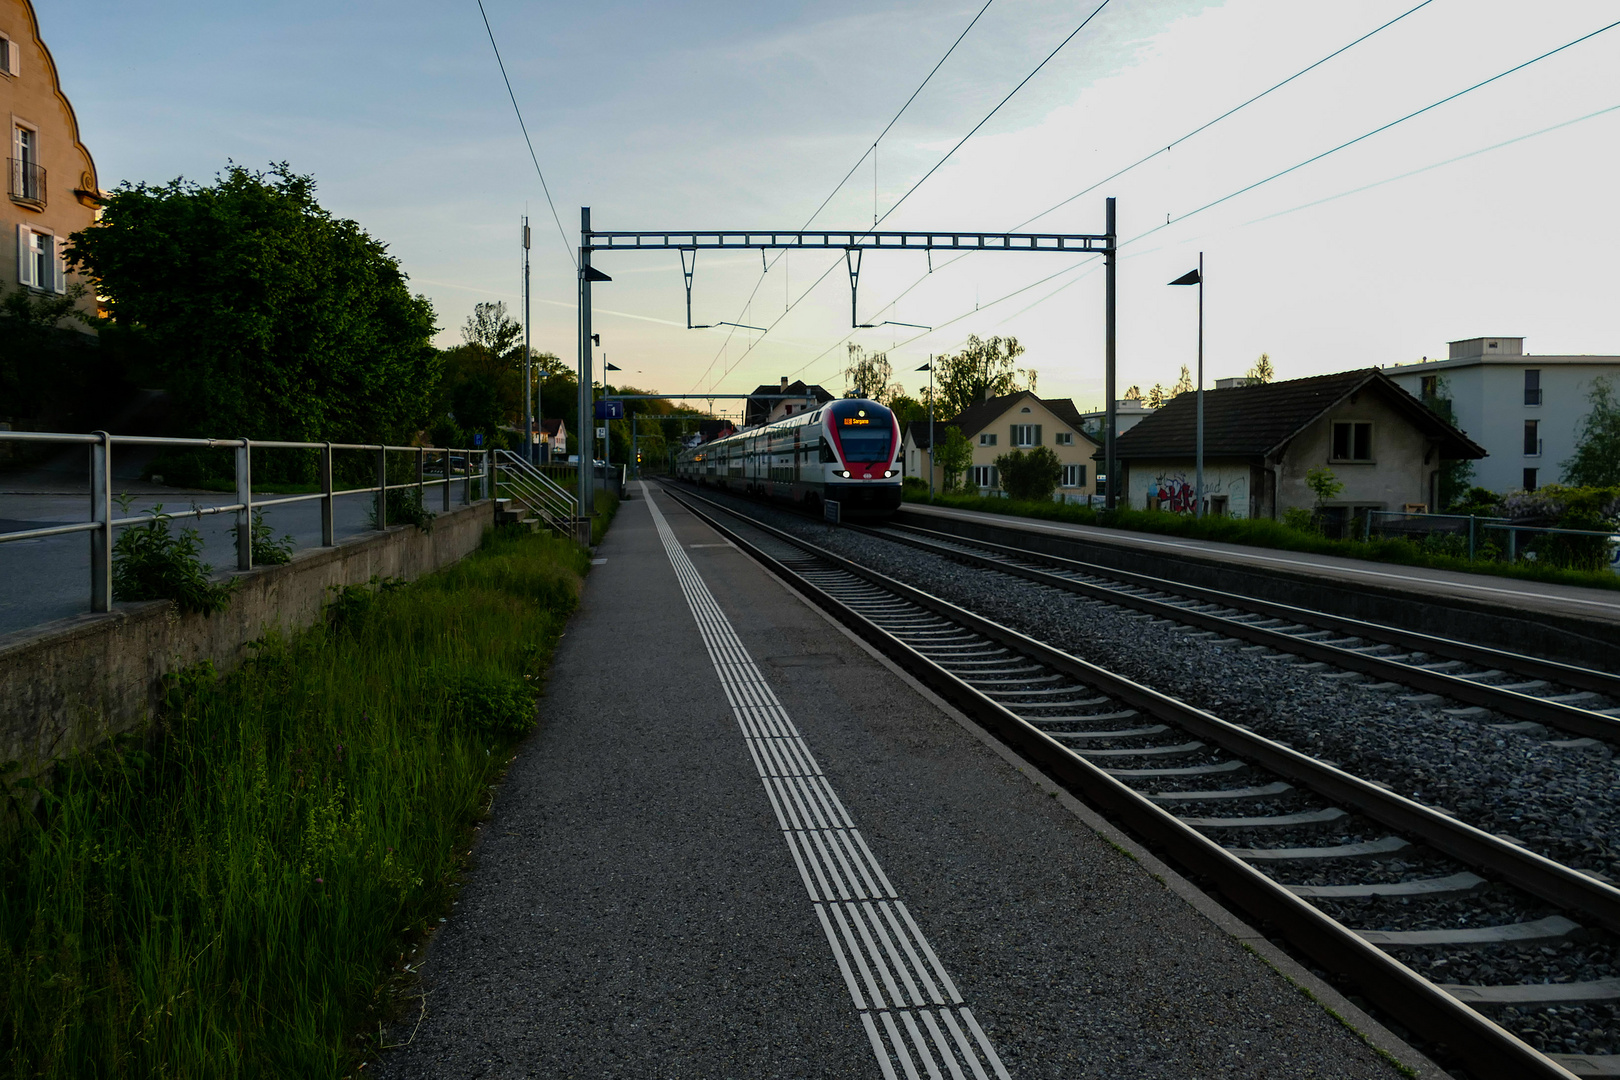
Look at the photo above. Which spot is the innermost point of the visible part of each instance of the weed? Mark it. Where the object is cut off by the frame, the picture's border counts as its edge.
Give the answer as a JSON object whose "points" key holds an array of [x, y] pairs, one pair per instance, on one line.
{"points": [[404, 508], [267, 550], [151, 563]]}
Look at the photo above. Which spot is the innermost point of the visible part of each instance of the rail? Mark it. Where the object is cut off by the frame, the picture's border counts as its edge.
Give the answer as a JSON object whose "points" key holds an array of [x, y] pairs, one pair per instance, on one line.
{"points": [[102, 522], [1477, 531], [557, 506]]}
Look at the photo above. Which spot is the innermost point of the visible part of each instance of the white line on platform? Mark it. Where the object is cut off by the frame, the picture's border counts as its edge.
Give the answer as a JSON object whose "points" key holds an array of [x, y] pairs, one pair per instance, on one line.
{"points": [[841, 875]]}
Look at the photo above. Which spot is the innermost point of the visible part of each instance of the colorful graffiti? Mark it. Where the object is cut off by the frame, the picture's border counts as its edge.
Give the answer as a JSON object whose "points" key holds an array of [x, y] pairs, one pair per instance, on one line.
{"points": [[1174, 494], [1227, 491]]}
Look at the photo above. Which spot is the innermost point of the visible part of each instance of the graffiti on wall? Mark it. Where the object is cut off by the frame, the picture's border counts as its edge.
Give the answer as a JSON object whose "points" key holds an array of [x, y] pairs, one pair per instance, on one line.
{"points": [[1176, 492]]}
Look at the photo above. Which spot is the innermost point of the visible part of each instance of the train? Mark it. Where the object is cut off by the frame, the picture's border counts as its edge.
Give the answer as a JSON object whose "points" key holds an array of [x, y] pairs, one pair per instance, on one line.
{"points": [[844, 452]]}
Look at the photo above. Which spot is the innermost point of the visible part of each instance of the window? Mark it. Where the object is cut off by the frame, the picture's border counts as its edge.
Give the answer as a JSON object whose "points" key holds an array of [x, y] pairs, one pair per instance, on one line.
{"points": [[1064, 438], [27, 178], [1074, 476], [10, 62], [39, 261], [1026, 435], [1220, 505], [1025, 409], [1532, 438], [1429, 386], [1532, 386], [984, 476], [1352, 440], [1529, 479], [986, 439]]}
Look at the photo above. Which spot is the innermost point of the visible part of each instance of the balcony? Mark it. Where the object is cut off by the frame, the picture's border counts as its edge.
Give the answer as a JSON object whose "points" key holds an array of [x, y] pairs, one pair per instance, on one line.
{"points": [[1532, 396], [27, 182]]}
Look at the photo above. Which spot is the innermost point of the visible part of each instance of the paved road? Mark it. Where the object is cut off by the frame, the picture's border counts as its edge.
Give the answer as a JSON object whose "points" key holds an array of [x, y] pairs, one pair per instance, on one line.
{"points": [[639, 910], [46, 579]]}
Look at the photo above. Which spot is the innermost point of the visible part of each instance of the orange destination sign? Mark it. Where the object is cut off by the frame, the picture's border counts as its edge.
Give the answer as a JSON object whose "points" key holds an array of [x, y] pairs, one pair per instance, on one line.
{"points": [[853, 421]]}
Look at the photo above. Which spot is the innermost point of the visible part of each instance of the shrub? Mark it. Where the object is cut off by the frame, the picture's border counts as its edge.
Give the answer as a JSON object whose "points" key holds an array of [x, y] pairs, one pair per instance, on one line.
{"points": [[404, 508], [1297, 517], [487, 701], [267, 550], [151, 563], [1031, 476]]}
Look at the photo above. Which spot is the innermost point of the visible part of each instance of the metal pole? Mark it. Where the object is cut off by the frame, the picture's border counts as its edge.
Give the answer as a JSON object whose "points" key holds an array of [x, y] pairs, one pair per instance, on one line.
{"points": [[328, 501], [635, 450], [1470, 537], [421, 478], [930, 428], [528, 361], [244, 498], [587, 492], [382, 488], [1110, 413], [446, 456], [1198, 479], [101, 540]]}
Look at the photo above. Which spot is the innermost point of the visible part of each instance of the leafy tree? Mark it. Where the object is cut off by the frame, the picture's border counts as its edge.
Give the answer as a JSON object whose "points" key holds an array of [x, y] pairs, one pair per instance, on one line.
{"points": [[953, 456], [1158, 396], [868, 375], [1031, 476], [1184, 385], [908, 409], [1596, 461], [52, 372], [264, 315], [490, 328], [1323, 484], [1262, 372], [963, 379], [1133, 393]]}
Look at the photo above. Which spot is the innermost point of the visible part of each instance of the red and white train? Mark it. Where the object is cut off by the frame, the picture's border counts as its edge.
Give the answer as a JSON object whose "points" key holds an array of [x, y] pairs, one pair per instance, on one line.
{"points": [[844, 451]]}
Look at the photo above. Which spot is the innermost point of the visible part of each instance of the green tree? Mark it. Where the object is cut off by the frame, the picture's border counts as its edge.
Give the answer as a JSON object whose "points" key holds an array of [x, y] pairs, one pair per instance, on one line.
{"points": [[1323, 484], [953, 456], [1262, 372], [982, 368], [1158, 396], [491, 328], [263, 314], [1596, 461], [868, 375], [52, 371], [1184, 385], [908, 410], [1031, 476]]}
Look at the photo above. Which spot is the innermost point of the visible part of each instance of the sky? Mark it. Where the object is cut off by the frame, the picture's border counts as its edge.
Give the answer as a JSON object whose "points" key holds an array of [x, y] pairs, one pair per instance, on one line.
{"points": [[730, 115]]}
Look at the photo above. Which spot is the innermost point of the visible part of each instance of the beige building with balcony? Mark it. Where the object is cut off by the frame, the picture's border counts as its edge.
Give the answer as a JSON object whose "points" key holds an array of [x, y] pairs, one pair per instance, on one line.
{"points": [[51, 183]]}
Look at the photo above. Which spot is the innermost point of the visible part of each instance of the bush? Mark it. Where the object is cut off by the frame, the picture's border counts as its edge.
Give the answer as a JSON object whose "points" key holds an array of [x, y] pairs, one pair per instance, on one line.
{"points": [[1297, 517], [151, 563], [267, 550], [487, 701], [404, 508], [1031, 476], [914, 485]]}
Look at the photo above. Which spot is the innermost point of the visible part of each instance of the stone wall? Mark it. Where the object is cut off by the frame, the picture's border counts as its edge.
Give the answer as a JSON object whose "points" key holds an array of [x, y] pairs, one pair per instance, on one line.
{"points": [[70, 684]]}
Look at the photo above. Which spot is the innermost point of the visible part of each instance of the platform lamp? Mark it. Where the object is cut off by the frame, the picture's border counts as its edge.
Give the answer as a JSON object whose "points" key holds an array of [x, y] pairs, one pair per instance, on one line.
{"points": [[607, 421], [1196, 277], [929, 367]]}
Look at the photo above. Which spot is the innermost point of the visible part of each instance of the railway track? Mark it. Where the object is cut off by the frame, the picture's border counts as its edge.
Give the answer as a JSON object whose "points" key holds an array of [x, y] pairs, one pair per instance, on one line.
{"points": [[1249, 815]]}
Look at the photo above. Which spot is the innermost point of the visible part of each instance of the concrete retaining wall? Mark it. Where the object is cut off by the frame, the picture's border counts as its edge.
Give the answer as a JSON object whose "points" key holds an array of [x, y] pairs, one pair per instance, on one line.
{"points": [[70, 684]]}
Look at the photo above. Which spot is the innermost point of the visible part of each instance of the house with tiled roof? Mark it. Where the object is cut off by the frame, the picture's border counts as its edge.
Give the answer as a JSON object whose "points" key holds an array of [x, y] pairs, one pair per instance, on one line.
{"points": [[786, 399], [1384, 445], [1017, 421]]}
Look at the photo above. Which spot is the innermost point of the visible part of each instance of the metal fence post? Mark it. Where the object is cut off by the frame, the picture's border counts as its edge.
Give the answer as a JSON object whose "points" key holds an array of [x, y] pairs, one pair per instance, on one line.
{"points": [[421, 477], [1366, 527], [1513, 544], [244, 498], [446, 456], [1470, 537], [382, 487], [492, 476], [101, 540], [328, 501]]}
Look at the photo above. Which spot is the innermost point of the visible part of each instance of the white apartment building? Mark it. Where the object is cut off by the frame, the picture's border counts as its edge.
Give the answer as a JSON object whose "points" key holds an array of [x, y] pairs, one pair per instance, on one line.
{"points": [[1524, 410]]}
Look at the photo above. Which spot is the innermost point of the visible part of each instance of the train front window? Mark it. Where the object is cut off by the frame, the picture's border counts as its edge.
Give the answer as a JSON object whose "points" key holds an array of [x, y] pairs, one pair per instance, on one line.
{"points": [[866, 445]]}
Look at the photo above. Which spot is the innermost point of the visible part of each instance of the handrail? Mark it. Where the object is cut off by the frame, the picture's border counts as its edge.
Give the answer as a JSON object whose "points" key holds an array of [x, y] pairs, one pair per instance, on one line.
{"points": [[556, 504], [243, 505]]}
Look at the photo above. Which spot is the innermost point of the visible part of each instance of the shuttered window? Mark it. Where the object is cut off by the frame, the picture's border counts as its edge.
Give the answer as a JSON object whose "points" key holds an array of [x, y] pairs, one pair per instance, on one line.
{"points": [[1026, 434]]}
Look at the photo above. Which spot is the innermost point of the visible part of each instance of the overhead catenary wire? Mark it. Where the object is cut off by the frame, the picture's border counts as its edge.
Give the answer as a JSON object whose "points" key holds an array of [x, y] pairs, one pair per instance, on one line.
{"points": [[568, 248], [870, 150]]}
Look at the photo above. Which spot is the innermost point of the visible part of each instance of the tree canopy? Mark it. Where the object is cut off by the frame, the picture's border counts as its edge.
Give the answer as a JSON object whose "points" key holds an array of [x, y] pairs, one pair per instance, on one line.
{"points": [[870, 375], [1262, 372], [1031, 476], [260, 312], [1596, 461], [982, 367]]}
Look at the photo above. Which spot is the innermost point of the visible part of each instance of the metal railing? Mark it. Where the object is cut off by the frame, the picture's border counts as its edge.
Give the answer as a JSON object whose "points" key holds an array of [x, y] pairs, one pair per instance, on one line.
{"points": [[102, 523], [27, 180], [1478, 530], [556, 505]]}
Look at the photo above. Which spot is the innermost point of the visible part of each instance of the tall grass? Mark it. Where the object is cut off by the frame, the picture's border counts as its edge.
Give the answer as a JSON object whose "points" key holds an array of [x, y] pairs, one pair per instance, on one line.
{"points": [[229, 895], [1264, 532]]}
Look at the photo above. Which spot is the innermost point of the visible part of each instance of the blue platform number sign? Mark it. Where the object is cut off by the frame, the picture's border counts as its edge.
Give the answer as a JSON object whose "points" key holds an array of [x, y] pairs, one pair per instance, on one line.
{"points": [[610, 410], [478, 438]]}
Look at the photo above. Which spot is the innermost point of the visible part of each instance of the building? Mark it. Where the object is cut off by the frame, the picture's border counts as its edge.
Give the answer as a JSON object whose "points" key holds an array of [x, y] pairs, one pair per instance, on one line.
{"points": [[553, 439], [1019, 421], [768, 410], [1127, 414], [50, 177], [1260, 441], [1525, 410]]}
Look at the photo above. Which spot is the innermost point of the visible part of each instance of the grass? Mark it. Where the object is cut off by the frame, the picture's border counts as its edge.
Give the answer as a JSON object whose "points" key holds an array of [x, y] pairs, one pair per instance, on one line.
{"points": [[230, 895], [1264, 532]]}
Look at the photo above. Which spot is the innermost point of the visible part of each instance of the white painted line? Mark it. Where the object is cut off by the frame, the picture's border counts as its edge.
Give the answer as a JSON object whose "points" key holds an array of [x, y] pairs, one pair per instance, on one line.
{"points": [[878, 1051], [984, 1044], [900, 1047], [598, 562], [944, 1045], [832, 857]]}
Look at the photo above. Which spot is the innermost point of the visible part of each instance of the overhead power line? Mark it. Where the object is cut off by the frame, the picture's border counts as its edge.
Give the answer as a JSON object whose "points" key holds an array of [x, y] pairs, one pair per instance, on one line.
{"points": [[839, 186], [568, 248]]}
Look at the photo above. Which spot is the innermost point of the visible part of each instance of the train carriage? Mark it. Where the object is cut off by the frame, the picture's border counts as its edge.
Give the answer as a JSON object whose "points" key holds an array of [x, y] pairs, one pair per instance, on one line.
{"points": [[843, 451]]}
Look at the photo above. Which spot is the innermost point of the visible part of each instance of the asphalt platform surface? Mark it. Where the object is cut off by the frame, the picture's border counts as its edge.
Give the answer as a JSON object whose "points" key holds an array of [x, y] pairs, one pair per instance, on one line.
{"points": [[634, 910]]}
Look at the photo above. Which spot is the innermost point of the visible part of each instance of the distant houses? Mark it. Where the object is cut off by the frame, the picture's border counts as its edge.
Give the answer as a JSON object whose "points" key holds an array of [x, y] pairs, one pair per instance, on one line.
{"points": [[1261, 441], [1019, 421]]}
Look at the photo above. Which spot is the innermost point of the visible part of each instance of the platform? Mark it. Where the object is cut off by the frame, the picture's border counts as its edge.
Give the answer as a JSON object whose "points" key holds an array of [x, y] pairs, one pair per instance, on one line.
{"points": [[741, 845]]}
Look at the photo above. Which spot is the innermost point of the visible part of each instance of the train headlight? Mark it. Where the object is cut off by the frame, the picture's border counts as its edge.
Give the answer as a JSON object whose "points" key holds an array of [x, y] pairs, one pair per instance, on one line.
{"points": [[844, 474], [888, 473]]}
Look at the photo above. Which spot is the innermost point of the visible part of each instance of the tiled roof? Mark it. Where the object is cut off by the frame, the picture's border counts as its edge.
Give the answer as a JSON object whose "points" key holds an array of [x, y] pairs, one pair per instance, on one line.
{"points": [[756, 410], [1254, 421], [976, 418]]}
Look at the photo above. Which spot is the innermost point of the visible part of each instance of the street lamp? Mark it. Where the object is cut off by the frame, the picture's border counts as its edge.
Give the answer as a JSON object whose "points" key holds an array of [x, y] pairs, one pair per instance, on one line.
{"points": [[1196, 277], [929, 367]]}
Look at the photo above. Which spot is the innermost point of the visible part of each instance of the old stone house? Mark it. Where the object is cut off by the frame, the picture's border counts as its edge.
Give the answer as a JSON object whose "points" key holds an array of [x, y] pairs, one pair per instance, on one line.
{"points": [[1261, 441]]}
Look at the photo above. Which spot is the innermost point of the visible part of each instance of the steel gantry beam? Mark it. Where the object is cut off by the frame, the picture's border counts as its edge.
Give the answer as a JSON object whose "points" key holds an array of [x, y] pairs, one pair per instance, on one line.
{"points": [[852, 242]]}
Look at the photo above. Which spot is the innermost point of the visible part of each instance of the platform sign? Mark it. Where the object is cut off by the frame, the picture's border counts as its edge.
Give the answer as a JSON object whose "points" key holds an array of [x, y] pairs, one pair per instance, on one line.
{"points": [[610, 410], [832, 510], [478, 438]]}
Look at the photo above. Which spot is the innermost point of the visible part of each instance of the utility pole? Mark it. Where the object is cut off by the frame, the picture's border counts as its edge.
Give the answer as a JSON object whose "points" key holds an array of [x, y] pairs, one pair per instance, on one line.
{"points": [[1110, 411], [585, 413], [528, 357], [1198, 479]]}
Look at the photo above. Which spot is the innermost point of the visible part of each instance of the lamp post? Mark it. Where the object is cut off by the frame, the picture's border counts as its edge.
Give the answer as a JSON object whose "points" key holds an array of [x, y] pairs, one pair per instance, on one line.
{"points": [[528, 358], [1196, 277], [929, 367]]}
